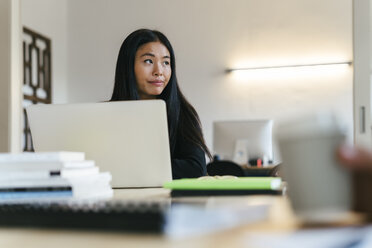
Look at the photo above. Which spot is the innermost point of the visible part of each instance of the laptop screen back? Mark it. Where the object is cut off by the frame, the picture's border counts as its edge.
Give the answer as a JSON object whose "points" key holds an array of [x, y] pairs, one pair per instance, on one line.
{"points": [[127, 138]]}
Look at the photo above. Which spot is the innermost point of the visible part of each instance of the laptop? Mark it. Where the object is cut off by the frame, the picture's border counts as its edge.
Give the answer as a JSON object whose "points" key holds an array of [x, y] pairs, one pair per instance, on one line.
{"points": [[127, 138]]}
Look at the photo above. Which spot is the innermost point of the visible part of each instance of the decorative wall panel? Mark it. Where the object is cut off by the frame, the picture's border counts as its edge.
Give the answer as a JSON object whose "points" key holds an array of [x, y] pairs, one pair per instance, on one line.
{"points": [[37, 82]]}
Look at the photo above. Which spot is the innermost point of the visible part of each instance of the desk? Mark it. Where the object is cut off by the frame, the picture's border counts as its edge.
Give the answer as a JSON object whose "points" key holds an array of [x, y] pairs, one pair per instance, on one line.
{"points": [[280, 219]]}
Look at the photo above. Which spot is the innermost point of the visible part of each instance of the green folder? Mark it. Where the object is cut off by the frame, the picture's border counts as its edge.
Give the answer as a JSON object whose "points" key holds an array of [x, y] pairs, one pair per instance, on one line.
{"points": [[225, 184]]}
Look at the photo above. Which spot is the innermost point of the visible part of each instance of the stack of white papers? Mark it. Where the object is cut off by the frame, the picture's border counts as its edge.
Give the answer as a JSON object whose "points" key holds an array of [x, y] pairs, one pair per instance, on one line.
{"points": [[51, 176]]}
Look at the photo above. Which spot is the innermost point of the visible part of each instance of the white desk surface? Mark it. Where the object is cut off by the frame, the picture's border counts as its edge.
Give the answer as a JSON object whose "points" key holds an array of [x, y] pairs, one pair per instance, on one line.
{"points": [[280, 219]]}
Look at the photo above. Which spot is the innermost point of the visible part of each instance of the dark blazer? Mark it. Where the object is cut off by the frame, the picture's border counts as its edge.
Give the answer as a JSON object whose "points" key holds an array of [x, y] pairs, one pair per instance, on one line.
{"points": [[188, 159]]}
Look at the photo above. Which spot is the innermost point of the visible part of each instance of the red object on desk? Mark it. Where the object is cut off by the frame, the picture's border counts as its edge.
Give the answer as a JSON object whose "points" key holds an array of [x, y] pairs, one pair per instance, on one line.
{"points": [[259, 162]]}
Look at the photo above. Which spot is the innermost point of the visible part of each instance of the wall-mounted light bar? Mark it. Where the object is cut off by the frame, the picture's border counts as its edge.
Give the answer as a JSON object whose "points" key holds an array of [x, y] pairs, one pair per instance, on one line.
{"points": [[287, 66]]}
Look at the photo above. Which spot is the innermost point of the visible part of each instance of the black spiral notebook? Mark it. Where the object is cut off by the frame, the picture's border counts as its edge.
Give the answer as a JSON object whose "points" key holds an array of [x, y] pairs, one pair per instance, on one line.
{"points": [[137, 216]]}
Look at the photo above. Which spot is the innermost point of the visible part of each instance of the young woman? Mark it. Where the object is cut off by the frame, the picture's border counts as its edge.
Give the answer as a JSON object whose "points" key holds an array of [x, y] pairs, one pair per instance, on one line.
{"points": [[146, 69]]}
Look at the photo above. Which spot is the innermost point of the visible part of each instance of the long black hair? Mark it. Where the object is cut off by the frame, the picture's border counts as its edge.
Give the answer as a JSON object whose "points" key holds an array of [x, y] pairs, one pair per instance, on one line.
{"points": [[182, 117]]}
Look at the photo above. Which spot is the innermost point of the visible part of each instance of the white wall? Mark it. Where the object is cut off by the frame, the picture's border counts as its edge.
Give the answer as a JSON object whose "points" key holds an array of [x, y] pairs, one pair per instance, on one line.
{"points": [[49, 18], [209, 36], [10, 76]]}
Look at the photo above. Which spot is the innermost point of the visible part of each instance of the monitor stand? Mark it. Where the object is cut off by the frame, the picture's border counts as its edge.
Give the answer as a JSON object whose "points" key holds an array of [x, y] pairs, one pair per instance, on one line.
{"points": [[241, 152]]}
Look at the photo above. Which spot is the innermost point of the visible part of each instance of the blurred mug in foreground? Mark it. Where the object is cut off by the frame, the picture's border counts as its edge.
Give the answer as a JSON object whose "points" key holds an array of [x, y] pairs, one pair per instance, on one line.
{"points": [[318, 187]]}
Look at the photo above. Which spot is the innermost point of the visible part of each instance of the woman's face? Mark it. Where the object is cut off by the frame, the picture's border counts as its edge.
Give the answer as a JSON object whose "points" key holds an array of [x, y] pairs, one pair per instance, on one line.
{"points": [[152, 69]]}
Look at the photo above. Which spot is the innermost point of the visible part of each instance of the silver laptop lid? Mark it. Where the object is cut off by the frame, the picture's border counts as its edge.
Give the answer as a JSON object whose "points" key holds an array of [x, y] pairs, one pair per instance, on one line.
{"points": [[127, 138]]}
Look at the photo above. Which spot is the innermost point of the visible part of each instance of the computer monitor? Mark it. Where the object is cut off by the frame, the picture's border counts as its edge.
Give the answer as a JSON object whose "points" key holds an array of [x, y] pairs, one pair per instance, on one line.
{"points": [[232, 138]]}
